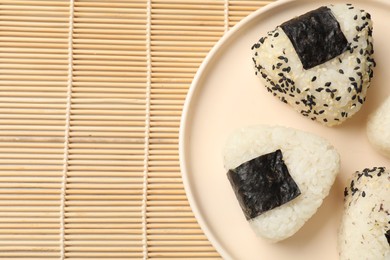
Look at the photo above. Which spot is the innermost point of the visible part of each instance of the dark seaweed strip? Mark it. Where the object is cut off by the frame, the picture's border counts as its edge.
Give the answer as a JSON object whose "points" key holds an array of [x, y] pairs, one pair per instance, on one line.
{"points": [[262, 184], [316, 37]]}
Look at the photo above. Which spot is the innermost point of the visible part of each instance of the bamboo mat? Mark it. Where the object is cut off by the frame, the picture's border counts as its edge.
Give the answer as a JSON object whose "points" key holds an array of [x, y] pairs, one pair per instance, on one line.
{"points": [[91, 94]]}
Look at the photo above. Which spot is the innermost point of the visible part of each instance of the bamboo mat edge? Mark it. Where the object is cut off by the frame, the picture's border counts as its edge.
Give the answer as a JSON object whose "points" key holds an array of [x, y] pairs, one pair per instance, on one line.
{"points": [[91, 99]]}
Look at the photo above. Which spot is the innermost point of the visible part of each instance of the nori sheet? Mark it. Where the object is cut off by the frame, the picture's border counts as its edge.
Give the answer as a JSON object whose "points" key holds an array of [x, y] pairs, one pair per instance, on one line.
{"points": [[262, 184], [316, 37]]}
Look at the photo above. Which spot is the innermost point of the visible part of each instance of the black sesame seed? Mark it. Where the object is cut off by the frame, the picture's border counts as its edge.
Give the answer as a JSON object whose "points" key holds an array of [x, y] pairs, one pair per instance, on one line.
{"points": [[363, 194], [325, 120], [276, 34], [321, 112], [319, 89], [261, 41], [313, 79], [338, 98], [349, 89], [327, 84], [351, 78], [341, 71], [358, 60], [355, 17]]}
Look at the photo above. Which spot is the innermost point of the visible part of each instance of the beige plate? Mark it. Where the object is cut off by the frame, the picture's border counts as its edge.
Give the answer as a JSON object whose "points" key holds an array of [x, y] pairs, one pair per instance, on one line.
{"points": [[226, 95]]}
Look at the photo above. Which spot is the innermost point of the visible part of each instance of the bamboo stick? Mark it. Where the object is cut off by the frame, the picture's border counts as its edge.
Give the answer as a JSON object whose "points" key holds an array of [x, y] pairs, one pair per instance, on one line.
{"points": [[111, 203], [30, 214], [183, 254], [117, 20], [30, 254], [249, 3], [37, 45], [172, 15], [27, 220], [35, 231], [194, 6], [35, 7], [188, 26], [109, 9], [110, 249], [103, 209], [114, 237], [99, 255], [43, 18], [107, 226], [201, 244], [104, 196], [95, 180], [31, 122], [16, 28], [175, 231], [28, 237], [104, 157], [106, 191], [152, 238], [103, 243], [96, 186], [104, 221], [196, 2], [34, 2], [104, 214], [27, 191], [140, 5]]}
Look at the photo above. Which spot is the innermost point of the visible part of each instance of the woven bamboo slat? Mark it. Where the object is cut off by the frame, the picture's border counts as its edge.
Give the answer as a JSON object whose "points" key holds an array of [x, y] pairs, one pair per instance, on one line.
{"points": [[91, 93]]}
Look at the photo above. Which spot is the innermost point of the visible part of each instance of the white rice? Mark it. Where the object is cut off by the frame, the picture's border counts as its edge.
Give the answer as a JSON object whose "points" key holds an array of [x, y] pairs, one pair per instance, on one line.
{"points": [[335, 86], [366, 216], [312, 162], [378, 128]]}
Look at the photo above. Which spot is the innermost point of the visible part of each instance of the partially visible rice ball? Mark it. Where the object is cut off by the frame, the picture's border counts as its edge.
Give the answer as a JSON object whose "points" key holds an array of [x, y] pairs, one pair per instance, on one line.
{"points": [[378, 128]]}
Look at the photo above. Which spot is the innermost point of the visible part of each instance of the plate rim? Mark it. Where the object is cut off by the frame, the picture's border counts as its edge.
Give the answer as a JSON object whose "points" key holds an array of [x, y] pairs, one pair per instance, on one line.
{"points": [[184, 119]]}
